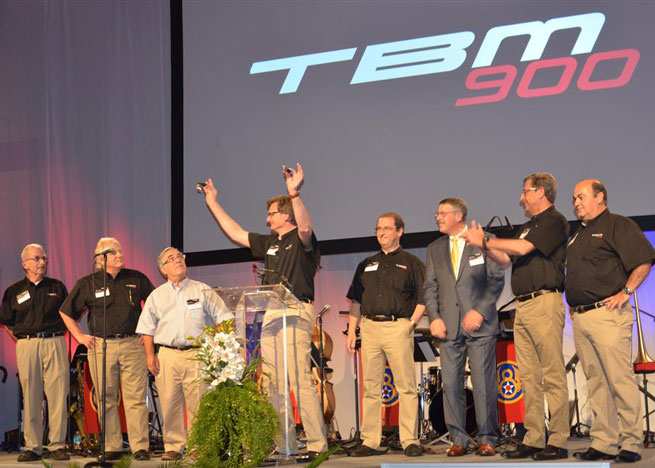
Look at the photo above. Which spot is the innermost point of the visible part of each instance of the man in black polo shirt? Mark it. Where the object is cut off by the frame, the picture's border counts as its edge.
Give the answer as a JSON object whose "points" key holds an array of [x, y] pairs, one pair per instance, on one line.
{"points": [[126, 358], [386, 293], [607, 259], [537, 256], [30, 309], [290, 255]]}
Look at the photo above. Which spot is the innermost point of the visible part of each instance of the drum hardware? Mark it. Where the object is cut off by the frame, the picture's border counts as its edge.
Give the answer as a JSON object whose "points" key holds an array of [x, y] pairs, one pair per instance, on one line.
{"points": [[644, 365], [576, 429]]}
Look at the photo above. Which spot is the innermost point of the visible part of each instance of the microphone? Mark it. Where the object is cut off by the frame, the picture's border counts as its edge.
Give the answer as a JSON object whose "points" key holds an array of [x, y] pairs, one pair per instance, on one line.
{"points": [[323, 311], [106, 251]]}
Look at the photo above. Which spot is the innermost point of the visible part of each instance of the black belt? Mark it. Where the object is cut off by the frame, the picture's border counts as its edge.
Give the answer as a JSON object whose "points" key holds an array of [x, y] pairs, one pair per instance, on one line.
{"points": [[532, 295], [179, 348], [586, 308], [119, 335], [41, 335], [383, 318]]}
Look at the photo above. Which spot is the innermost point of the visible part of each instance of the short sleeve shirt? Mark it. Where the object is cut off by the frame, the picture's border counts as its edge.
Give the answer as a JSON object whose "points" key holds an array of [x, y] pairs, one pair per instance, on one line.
{"points": [[288, 260], [388, 284], [29, 308], [543, 268], [124, 296], [601, 255]]}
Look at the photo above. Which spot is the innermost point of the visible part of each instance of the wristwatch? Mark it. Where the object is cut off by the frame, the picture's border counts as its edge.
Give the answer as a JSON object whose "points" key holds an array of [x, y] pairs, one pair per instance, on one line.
{"points": [[485, 239], [628, 291]]}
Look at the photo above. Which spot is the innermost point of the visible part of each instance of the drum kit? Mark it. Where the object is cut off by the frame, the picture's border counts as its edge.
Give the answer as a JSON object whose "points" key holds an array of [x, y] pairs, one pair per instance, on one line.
{"points": [[432, 423]]}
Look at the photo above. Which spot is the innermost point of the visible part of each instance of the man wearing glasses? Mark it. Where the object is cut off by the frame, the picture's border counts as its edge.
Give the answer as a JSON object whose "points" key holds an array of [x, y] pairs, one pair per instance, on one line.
{"points": [[386, 294], [537, 255], [30, 308], [175, 311], [461, 290], [126, 359], [291, 257]]}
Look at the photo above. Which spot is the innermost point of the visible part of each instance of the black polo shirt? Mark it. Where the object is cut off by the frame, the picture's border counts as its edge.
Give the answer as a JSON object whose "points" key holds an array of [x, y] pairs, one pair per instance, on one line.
{"points": [[543, 268], [388, 284], [124, 300], [29, 308], [601, 255], [288, 258]]}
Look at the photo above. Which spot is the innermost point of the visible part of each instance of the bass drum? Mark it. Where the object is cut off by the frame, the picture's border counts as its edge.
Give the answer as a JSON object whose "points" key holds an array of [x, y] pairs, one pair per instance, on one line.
{"points": [[438, 420]]}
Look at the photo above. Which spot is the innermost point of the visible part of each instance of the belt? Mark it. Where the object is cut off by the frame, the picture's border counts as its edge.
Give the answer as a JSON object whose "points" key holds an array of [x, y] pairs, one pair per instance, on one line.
{"points": [[178, 348], [41, 335], [532, 295], [119, 335], [383, 318], [586, 308]]}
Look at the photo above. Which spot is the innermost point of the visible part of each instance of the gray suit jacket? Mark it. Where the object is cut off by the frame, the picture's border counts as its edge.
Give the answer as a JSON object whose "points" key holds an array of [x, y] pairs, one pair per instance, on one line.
{"points": [[478, 286]]}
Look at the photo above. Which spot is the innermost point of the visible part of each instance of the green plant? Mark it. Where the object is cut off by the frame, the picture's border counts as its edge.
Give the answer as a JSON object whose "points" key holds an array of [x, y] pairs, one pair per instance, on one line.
{"points": [[234, 426]]}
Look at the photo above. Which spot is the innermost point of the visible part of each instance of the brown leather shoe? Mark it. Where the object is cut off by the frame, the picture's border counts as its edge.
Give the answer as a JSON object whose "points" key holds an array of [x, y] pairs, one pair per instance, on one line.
{"points": [[486, 450], [456, 451]]}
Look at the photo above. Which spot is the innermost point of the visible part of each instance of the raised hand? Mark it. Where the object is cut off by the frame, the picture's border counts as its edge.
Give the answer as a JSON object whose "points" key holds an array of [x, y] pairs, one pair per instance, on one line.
{"points": [[295, 179]]}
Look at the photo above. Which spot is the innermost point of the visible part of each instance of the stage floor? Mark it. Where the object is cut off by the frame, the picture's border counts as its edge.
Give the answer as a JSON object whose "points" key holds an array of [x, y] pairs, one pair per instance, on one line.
{"points": [[343, 461]]}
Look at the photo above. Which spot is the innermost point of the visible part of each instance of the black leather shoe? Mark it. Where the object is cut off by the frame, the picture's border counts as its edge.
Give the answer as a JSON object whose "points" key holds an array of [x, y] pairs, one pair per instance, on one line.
{"points": [[28, 456], [141, 455], [626, 456], [591, 454], [522, 451], [413, 450], [113, 456], [310, 456], [60, 455], [551, 453], [366, 451]]}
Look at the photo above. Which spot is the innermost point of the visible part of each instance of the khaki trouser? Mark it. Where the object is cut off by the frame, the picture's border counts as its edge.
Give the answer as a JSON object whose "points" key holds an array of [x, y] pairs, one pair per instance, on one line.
{"points": [[603, 341], [392, 342], [178, 384], [126, 365], [43, 366], [299, 338], [538, 334]]}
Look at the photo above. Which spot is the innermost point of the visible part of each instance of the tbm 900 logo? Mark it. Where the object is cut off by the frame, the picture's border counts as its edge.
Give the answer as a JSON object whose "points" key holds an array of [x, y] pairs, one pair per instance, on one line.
{"points": [[447, 52]]}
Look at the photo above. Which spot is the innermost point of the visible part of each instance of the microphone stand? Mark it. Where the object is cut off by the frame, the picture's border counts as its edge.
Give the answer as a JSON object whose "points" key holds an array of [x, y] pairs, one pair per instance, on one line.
{"points": [[102, 461]]}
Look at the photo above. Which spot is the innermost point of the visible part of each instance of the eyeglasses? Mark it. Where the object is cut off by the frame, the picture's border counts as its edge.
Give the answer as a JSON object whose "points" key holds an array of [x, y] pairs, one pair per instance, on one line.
{"points": [[443, 213], [271, 213], [384, 228], [172, 258], [37, 258], [531, 189]]}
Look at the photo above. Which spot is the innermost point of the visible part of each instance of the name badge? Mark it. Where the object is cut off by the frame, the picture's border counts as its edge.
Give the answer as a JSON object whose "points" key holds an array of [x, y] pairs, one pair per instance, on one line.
{"points": [[272, 250], [524, 233], [22, 297], [99, 293], [371, 267], [477, 259]]}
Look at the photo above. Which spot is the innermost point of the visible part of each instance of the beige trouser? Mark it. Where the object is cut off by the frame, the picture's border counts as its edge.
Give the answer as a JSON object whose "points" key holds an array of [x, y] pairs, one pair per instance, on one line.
{"points": [[603, 341], [43, 366], [126, 365], [299, 338], [178, 384], [538, 333], [392, 342]]}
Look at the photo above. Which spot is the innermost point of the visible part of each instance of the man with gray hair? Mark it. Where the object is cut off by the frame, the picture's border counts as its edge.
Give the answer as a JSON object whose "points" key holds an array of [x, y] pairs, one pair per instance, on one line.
{"points": [[30, 309], [537, 256], [126, 359], [175, 311]]}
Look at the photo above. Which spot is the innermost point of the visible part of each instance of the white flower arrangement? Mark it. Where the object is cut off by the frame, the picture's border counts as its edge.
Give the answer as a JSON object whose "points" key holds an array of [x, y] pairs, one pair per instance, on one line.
{"points": [[219, 351]]}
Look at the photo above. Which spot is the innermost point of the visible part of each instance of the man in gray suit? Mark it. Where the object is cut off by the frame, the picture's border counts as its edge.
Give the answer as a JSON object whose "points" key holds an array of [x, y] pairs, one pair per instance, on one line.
{"points": [[461, 289]]}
